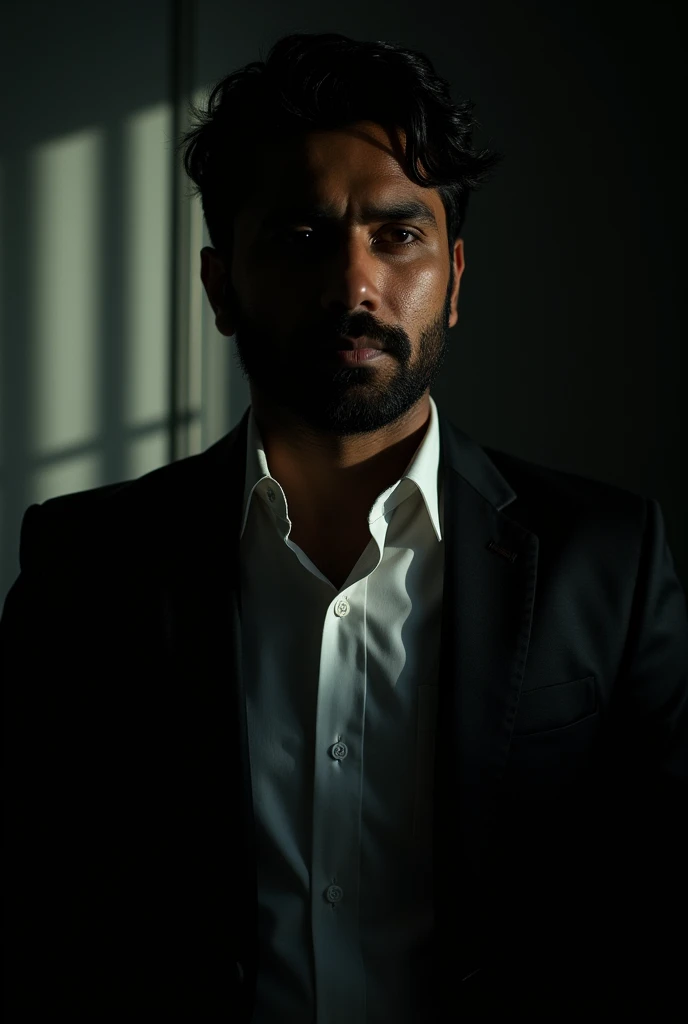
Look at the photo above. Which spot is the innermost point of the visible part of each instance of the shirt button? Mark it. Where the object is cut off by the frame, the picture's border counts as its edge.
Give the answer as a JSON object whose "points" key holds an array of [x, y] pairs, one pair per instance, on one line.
{"points": [[342, 607], [339, 751], [271, 494], [334, 893]]}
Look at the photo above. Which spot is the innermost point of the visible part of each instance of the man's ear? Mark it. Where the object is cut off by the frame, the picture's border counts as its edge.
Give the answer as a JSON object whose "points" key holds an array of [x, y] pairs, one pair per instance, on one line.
{"points": [[459, 267]]}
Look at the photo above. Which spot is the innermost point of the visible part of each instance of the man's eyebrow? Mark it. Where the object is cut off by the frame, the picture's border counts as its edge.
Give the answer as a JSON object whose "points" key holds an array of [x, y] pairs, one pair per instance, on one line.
{"points": [[405, 209]]}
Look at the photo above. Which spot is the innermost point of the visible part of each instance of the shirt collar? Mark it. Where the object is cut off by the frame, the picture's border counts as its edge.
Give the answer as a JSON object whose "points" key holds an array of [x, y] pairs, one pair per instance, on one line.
{"points": [[421, 474]]}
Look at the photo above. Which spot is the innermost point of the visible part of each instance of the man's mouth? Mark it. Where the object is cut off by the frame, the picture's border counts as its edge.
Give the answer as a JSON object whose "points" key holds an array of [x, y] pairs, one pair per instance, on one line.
{"points": [[346, 344]]}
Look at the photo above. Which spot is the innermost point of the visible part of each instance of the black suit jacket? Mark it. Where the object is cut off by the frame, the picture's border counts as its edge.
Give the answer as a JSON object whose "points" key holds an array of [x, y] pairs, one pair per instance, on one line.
{"points": [[561, 757]]}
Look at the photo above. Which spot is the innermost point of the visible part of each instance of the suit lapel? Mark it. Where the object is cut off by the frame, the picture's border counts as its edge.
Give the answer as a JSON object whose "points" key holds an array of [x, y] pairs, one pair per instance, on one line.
{"points": [[489, 587]]}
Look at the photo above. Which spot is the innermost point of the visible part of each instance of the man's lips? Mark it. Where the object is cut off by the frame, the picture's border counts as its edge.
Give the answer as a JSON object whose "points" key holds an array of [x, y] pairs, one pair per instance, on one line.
{"points": [[352, 343]]}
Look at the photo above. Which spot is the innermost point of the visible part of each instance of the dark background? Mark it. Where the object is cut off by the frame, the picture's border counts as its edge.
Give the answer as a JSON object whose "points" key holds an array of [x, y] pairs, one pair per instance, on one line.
{"points": [[570, 346]]}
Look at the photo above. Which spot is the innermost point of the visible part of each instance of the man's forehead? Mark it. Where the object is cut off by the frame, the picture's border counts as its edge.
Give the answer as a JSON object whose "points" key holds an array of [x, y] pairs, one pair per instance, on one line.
{"points": [[305, 178], [388, 204]]}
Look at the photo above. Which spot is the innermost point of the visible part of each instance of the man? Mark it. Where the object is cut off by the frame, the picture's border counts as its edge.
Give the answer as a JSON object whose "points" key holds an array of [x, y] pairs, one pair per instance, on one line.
{"points": [[346, 718]]}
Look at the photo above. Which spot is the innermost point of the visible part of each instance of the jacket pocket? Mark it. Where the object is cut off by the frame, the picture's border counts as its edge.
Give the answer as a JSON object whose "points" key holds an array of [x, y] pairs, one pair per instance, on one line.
{"points": [[555, 706]]}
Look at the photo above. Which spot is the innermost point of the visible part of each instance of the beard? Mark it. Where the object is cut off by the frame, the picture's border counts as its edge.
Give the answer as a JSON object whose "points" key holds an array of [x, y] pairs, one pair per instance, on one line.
{"points": [[293, 376]]}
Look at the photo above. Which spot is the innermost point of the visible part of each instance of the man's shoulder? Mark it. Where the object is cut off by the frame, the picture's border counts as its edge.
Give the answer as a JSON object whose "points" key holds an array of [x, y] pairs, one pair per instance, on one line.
{"points": [[155, 484], [118, 518], [553, 500], [527, 487], [530, 477]]}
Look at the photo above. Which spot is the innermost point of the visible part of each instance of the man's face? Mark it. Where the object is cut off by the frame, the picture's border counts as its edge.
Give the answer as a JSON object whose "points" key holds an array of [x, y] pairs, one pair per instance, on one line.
{"points": [[297, 282]]}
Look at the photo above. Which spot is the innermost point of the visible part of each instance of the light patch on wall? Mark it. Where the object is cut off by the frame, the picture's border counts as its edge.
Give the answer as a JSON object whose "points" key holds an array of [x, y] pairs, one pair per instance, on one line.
{"points": [[146, 274], [65, 292]]}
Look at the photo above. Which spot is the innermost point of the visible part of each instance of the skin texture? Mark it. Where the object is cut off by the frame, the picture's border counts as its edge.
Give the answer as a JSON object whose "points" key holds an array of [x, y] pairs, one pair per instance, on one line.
{"points": [[336, 436]]}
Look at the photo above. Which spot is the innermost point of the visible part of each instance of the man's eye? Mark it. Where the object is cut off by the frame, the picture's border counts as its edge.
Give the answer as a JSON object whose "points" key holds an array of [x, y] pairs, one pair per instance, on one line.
{"points": [[404, 231], [300, 236]]}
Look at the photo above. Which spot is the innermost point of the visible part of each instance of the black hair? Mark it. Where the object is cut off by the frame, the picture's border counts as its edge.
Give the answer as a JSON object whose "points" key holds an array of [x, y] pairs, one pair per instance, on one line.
{"points": [[326, 81]]}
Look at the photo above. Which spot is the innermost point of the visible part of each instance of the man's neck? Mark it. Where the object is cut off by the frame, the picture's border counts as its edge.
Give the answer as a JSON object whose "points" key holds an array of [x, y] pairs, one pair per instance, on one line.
{"points": [[334, 489]]}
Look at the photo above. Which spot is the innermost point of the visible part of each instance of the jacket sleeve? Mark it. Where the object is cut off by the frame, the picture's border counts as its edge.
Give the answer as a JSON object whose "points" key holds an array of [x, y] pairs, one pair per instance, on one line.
{"points": [[645, 865], [652, 689], [28, 672]]}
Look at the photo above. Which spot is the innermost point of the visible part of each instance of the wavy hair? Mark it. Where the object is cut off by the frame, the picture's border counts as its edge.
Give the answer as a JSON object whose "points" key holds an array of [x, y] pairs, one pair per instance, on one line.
{"points": [[326, 81]]}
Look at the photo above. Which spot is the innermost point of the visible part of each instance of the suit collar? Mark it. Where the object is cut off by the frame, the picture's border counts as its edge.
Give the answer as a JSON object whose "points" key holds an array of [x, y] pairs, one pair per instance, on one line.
{"points": [[458, 452], [464, 457]]}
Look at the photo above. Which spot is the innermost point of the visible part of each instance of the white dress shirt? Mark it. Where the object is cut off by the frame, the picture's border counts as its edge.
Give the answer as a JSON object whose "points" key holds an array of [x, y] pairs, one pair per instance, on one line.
{"points": [[341, 703]]}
